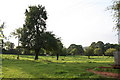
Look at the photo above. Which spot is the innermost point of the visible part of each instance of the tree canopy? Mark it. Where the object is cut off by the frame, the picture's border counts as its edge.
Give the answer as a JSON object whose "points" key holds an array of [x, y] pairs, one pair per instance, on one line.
{"points": [[34, 27]]}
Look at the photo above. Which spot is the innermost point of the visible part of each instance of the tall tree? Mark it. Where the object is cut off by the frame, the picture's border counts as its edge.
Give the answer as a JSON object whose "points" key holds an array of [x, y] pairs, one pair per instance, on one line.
{"points": [[35, 26], [1, 34], [89, 51], [17, 33], [116, 8]]}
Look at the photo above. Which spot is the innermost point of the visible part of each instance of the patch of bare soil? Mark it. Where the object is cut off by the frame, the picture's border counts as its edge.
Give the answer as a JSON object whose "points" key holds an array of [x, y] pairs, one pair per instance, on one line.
{"points": [[105, 74]]}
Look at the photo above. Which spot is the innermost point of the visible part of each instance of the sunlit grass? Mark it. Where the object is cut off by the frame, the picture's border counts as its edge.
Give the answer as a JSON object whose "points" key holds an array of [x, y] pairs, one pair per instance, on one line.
{"points": [[49, 67]]}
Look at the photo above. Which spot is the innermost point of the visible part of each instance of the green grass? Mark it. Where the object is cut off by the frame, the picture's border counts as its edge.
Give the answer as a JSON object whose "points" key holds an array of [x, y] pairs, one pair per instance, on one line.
{"points": [[108, 70], [49, 67]]}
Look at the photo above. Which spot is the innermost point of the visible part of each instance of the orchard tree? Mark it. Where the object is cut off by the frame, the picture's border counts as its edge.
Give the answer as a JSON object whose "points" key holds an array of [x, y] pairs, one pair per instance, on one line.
{"points": [[35, 26]]}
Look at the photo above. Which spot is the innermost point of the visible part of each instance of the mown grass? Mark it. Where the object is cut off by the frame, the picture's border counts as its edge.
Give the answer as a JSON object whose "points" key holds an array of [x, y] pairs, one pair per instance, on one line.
{"points": [[49, 67]]}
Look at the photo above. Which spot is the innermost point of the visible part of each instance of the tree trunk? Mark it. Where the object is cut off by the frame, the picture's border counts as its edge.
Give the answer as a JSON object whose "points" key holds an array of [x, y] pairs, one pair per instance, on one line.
{"points": [[18, 49], [88, 57], [36, 54], [57, 56], [18, 56], [2, 44]]}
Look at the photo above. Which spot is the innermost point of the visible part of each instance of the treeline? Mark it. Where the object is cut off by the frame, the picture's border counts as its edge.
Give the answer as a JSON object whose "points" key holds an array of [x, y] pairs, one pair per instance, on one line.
{"points": [[100, 49], [95, 49]]}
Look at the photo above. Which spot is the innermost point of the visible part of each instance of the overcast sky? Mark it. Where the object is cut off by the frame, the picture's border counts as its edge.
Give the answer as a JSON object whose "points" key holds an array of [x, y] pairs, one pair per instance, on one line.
{"points": [[75, 21]]}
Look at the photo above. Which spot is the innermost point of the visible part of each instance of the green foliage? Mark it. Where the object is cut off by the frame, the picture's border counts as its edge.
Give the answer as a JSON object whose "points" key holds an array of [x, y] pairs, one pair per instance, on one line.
{"points": [[89, 51], [34, 35], [110, 51], [64, 52], [1, 30], [93, 45], [17, 33], [34, 27], [74, 49], [116, 9], [100, 45], [9, 45], [98, 51]]}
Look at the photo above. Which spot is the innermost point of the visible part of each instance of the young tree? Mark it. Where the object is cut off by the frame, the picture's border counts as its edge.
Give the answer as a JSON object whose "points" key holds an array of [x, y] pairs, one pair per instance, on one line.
{"points": [[89, 51], [51, 43], [59, 48], [17, 34], [35, 26]]}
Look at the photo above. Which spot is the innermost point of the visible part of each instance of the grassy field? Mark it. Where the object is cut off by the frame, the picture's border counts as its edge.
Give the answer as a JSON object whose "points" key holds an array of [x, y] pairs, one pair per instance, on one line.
{"points": [[49, 67]]}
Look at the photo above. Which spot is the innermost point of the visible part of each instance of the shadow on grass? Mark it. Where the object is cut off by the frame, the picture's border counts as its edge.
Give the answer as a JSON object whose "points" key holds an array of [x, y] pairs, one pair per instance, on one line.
{"points": [[46, 68]]}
